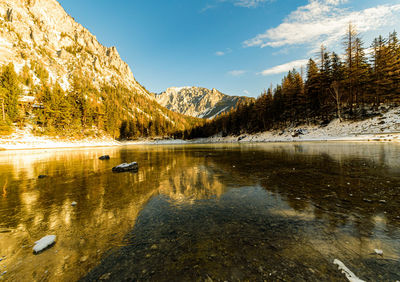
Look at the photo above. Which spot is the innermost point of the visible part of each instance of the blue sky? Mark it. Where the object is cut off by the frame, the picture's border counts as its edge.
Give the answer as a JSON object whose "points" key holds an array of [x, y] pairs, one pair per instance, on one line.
{"points": [[237, 46]]}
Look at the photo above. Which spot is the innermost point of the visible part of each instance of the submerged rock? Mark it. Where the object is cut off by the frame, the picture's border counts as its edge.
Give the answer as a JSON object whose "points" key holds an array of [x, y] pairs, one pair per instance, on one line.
{"points": [[44, 243], [74, 204], [42, 176], [105, 157], [126, 167]]}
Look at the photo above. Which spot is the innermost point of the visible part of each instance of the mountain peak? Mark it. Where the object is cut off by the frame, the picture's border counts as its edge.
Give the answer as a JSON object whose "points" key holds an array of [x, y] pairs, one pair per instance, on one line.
{"points": [[41, 31], [198, 101]]}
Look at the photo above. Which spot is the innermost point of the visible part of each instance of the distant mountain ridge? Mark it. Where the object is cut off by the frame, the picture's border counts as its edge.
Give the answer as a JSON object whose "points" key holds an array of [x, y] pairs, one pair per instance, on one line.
{"points": [[198, 101]]}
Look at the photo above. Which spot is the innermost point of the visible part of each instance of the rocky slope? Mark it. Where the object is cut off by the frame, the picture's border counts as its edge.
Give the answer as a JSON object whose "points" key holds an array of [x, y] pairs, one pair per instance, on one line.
{"points": [[41, 31], [198, 102], [47, 48]]}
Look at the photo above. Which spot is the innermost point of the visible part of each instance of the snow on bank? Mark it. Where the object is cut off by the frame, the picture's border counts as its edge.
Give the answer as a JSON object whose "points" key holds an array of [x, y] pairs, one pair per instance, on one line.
{"points": [[349, 275], [384, 128], [157, 142], [44, 243], [380, 128], [24, 139]]}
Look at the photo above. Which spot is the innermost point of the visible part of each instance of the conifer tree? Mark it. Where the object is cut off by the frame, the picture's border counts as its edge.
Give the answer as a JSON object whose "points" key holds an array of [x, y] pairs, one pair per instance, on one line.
{"points": [[9, 83]]}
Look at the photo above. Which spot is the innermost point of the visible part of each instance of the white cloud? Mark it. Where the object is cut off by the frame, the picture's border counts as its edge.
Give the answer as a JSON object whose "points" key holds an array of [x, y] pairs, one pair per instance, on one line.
{"points": [[238, 3], [323, 22], [249, 3], [285, 67], [237, 72], [246, 92], [223, 53]]}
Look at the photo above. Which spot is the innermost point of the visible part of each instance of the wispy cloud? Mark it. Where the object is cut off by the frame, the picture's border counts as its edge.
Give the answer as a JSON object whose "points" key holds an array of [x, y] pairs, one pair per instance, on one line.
{"points": [[284, 67], [238, 3], [223, 53], [323, 21], [208, 7], [237, 72], [249, 3], [246, 92]]}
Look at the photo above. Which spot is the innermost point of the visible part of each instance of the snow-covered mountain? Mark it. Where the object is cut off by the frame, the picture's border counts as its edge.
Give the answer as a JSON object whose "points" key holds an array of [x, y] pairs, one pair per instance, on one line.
{"points": [[198, 102], [40, 31]]}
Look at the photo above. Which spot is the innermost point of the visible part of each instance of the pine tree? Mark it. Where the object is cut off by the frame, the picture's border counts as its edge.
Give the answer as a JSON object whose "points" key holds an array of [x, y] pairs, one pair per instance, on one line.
{"points": [[9, 83], [312, 88]]}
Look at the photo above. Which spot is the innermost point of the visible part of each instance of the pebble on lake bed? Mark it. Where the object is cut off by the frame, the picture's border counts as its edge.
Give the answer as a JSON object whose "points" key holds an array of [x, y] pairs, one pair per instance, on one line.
{"points": [[105, 157], [74, 204], [378, 252], [44, 243]]}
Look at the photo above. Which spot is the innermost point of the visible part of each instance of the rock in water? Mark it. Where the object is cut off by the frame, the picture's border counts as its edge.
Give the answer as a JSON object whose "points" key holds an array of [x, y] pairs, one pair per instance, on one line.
{"points": [[74, 204], [44, 243], [126, 167], [105, 157], [42, 176]]}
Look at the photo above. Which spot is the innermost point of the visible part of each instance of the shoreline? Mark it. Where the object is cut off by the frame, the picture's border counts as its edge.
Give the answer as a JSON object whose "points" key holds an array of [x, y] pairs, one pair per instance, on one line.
{"points": [[48, 144], [383, 128]]}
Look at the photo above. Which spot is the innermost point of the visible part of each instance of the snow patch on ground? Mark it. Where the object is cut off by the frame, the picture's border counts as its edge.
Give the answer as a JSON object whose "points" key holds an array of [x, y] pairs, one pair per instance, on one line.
{"points": [[380, 128], [157, 142], [24, 139]]}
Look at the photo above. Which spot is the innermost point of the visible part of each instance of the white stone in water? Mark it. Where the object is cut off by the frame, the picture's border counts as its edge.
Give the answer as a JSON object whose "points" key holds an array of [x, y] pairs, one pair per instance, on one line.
{"points": [[44, 243], [74, 204], [378, 252], [349, 275]]}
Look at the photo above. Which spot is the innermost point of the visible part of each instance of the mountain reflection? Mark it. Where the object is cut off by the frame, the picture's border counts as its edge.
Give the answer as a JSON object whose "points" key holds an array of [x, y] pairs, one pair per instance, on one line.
{"points": [[345, 189]]}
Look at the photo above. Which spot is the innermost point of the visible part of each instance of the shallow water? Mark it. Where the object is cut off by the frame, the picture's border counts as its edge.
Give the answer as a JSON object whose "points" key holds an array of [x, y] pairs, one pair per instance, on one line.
{"points": [[201, 212]]}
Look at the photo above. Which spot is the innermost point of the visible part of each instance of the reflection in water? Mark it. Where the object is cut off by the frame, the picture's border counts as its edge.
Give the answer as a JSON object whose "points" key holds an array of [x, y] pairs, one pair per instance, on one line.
{"points": [[226, 212]]}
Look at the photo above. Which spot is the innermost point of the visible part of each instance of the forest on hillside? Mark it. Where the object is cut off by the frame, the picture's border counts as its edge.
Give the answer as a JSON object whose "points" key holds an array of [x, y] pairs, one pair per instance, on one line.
{"points": [[83, 110], [349, 87]]}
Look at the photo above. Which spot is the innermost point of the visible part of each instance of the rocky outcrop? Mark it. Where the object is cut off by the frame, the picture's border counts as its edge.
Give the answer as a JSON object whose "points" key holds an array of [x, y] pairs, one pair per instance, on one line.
{"points": [[41, 31], [198, 102], [126, 167]]}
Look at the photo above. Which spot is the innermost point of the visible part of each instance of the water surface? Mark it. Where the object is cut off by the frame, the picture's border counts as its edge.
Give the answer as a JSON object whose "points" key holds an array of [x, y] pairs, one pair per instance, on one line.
{"points": [[201, 212]]}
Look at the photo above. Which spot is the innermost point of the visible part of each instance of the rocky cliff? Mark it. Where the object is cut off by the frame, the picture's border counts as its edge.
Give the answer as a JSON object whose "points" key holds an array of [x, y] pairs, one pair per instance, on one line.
{"points": [[41, 31], [198, 102]]}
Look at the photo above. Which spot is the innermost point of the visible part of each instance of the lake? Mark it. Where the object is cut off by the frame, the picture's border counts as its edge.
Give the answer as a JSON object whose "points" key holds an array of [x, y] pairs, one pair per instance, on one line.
{"points": [[275, 211]]}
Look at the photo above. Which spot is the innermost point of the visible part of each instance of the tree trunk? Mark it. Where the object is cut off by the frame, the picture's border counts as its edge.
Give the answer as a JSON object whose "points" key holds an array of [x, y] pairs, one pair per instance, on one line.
{"points": [[2, 107], [337, 96]]}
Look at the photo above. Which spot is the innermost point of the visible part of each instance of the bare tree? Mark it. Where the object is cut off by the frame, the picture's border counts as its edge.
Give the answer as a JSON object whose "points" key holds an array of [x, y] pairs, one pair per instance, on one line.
{"points": [[337, 96]]}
